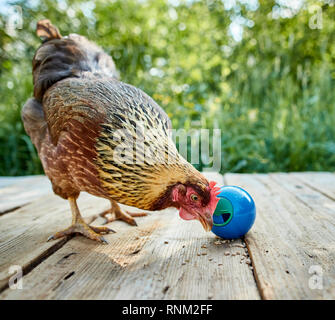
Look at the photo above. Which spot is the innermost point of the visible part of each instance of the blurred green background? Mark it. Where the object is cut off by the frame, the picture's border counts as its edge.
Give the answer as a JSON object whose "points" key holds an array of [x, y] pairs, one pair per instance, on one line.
{"points": [[261, 71]]}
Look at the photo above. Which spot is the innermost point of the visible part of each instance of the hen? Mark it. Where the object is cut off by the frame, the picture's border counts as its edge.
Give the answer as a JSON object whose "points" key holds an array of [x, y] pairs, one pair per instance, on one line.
{"points": [[96, 134]]}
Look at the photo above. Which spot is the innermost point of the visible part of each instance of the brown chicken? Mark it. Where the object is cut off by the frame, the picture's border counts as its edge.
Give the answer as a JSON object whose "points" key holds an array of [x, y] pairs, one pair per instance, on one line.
{"points": [[96, 134]]}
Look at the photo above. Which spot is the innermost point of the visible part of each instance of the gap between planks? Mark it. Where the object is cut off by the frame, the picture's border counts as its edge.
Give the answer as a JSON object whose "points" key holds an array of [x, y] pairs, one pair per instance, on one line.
{"points": [[294, 230], [23, 233], [16, 192], [254, 271], [322, 182]]}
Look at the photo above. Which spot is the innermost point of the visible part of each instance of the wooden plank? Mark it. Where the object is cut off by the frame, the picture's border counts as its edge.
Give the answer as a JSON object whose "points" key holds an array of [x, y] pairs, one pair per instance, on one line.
{"points": [[23, 233], [7, 181], [293, 236], [321, 181], [18, 191], [163, 258]]}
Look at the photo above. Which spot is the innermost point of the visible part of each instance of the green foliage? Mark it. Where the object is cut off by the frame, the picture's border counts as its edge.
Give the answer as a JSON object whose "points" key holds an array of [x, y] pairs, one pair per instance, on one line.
{"points": [[272, 94]]}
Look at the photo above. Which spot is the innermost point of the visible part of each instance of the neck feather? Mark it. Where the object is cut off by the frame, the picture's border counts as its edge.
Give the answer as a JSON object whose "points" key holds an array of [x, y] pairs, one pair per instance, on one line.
{"points": [[167, 178]]}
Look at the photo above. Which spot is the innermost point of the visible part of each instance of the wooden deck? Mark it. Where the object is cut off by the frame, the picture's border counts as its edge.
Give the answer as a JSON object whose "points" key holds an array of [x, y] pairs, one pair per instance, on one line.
{"points": [[288, 254]]}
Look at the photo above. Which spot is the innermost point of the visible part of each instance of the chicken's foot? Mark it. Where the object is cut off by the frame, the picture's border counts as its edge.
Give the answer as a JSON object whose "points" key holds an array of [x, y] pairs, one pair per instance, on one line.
{"points": [[117, 214], [80, 226]]}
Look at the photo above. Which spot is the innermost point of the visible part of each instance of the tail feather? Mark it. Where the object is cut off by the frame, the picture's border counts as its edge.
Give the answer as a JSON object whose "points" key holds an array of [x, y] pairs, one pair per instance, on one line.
{"points": [[64, 57], [46, 30]]}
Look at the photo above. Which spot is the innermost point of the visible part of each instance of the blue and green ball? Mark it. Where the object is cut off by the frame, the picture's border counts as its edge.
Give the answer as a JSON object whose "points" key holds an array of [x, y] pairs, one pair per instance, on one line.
{"points": [[235, 213]]}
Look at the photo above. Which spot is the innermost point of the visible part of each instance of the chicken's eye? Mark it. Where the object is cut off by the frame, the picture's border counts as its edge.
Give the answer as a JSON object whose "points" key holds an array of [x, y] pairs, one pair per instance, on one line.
{"points": [[194, 197]]}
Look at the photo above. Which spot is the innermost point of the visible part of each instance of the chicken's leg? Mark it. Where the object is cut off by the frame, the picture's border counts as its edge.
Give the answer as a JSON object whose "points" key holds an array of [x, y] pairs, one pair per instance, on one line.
{"points": [[118, 214], [80, 226]]}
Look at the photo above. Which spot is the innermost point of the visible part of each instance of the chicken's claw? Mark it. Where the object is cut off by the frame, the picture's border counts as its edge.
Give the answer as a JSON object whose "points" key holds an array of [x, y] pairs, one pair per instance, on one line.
{"points": [[81, 227], [118, 214], [103, 240], [50, 238]]}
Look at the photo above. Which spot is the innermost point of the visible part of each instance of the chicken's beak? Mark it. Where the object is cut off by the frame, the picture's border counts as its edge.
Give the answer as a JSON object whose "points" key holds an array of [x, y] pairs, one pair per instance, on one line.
{"points": [[206, 220]]}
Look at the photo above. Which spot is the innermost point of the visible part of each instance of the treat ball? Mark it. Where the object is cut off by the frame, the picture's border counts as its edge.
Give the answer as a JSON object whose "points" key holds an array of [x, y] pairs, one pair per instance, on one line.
{"points": [[235, 213]]}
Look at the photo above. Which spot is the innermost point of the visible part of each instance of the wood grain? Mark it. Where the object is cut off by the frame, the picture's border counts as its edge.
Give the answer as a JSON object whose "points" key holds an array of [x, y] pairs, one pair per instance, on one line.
{"points": [[320, 181], [163, 258], [7, 181], [168, 258], [18, 191], [294, 232], [23, 233]]}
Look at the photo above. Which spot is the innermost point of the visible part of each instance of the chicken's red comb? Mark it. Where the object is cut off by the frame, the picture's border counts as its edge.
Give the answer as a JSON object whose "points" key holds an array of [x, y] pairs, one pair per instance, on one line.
{"points": [[214, 190]]}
